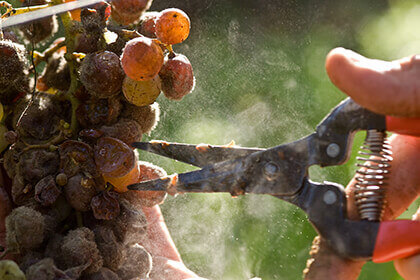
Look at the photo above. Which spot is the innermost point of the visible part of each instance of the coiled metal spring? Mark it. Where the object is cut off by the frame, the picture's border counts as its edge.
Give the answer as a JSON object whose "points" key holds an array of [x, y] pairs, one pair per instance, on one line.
{"points": [[374, 169]]}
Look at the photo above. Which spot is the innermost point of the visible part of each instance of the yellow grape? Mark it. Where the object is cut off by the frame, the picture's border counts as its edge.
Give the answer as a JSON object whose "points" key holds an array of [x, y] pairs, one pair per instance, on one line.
{"points": [[141, 93]]}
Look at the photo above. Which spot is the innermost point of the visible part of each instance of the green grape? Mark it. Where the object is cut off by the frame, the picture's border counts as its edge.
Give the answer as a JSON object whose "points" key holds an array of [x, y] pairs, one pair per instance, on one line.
{"points": [[9, 270]]}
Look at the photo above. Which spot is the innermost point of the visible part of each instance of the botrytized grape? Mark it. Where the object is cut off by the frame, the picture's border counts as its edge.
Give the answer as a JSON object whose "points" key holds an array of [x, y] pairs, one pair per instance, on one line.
{"points": [[101, 74], [128, 11], [56, 73], [142, 59], [53, 248], [45, 270], [105, 205], [126, 130], [41, 120], [47, 191], [76, 157], [25, 229], [130, 226], [147, 24], [93, 20], [39, 30], [172, 26], [146, 116], [86, 42], [36, 164], [30, 257], [113, 157], [13, 69], [141, 93], [111, 250], [138, 263], [93, 113], [79, 248], [103, 274], [177, 76], [79, 192]]}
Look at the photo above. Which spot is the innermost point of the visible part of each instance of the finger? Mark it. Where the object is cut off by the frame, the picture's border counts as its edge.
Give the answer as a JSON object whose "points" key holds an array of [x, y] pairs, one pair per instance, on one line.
{"points": [[389, 88], [159, 241], [403, 184], [409, 268], [164, 269]]}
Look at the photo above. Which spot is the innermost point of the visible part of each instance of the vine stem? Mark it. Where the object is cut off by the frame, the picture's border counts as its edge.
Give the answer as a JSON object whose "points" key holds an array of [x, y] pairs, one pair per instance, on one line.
{"points": [[70, 33]]}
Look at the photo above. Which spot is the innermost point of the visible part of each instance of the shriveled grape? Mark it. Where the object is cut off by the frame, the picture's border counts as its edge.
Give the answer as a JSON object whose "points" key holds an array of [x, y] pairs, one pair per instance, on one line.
{"points": [[142, 59], [46, 191], [45, 270], [138, 263], [39, 30], [172, 26], [13, 71], [76, 156], [146, 116], [177, 76], [126, 130], [79, 248], [25, 229], [56, 74], [42, 118], [105, 205], [30, 257], [36, 164], [141, 93], [130, 226], [79, 192], [103, 274], [111, 250], [101, 74], [147, 24], [128, 11], [95, 112], [113, 157]]}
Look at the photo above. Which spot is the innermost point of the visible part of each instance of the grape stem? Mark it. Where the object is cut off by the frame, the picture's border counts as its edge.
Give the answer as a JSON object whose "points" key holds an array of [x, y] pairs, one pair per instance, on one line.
{"points": [[126, 34], [70, 32], [40, 57]]}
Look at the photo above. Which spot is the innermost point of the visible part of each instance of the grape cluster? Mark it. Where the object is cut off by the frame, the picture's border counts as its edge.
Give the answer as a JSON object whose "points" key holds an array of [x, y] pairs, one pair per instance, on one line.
{"points": [[66, 135]]}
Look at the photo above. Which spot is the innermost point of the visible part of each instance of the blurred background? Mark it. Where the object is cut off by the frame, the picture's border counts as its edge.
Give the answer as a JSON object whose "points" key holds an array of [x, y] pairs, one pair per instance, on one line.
{"points": [[259, 68], [261, 81]]}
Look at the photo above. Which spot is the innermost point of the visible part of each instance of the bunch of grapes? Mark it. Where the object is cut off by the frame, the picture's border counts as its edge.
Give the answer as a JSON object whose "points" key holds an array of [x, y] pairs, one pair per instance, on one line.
{"points": [[66, 134]]}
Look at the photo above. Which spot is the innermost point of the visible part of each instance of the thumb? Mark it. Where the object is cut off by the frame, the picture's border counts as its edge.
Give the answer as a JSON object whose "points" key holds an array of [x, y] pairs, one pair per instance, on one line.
{"points": [[388, 88], [409, 268]]}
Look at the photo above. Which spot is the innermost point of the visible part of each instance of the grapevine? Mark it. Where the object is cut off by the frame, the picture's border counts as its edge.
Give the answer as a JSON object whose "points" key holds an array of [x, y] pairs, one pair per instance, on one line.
{"points": [[68, 116]]}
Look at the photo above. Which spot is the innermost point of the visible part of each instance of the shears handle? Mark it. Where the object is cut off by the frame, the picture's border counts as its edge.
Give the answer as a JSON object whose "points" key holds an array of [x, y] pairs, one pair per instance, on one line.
{"points": [[396, 239]]}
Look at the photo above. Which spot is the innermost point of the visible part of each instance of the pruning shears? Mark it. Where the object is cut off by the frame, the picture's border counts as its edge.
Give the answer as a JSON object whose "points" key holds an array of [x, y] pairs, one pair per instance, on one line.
{"points": [[282, 171]]}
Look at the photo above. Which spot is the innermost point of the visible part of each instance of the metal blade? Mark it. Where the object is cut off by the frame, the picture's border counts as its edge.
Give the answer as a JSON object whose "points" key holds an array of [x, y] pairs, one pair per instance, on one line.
{"points": [[207, 180], [278, 171], [43, 13], [198, 155]]}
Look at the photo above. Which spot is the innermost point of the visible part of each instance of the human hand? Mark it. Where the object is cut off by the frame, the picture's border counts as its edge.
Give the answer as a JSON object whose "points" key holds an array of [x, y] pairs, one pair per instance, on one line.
{"points": [[167, 263], [389, 88]]}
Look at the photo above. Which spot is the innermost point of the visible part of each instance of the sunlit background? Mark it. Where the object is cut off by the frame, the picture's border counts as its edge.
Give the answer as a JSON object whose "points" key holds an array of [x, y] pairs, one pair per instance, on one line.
{"points": [[261, 81]]}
